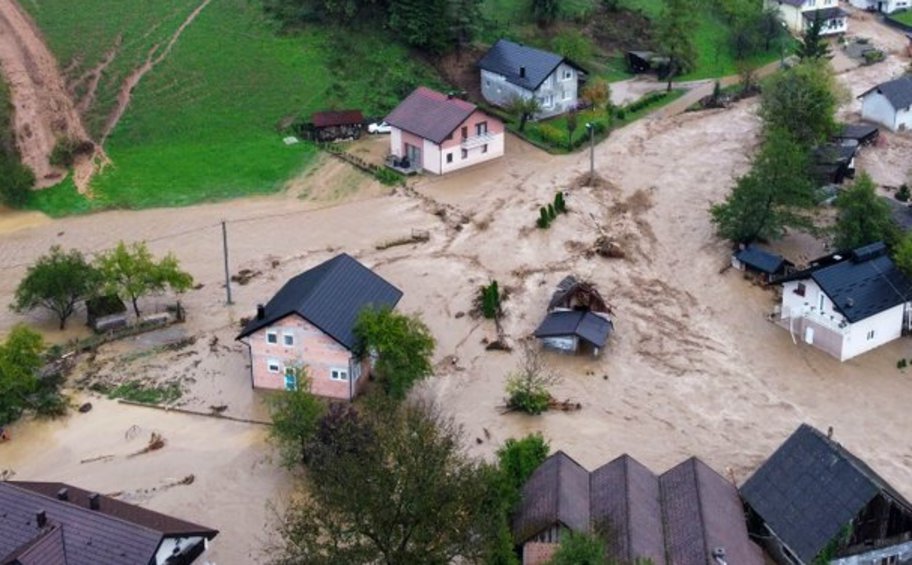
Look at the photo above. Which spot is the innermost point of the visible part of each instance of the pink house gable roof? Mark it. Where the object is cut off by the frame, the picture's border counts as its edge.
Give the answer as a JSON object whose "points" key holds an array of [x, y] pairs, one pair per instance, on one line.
{"points": [[430, 114]]}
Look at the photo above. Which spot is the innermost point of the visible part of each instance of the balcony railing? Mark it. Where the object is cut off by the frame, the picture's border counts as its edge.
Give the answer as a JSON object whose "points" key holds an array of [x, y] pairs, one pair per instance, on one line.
{"points": [[832, 322], [477, 140]]}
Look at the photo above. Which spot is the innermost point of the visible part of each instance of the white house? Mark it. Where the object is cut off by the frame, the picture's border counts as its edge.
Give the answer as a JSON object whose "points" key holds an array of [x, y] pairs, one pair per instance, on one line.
{"points": [[798, 14], [889, 103], [847, 304], [440, 133], [510, 70], [883, 6]]}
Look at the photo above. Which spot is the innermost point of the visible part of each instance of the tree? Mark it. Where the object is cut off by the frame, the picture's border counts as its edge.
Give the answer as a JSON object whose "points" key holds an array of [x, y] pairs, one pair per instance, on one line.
{"points": [[522, 109], [597, 93], [394, 487], [20, 359], [771, 197], [295, 416], [572, 122], [744, 29], [17, 183], [770, 26], [863, 216], [518, 458], [425, 24], [580, 549], [813, 45], [527, 387], [131, 272], [675, 36], [902, 254], [545, 11], [802, 101], [57, 281], [403, 346]]}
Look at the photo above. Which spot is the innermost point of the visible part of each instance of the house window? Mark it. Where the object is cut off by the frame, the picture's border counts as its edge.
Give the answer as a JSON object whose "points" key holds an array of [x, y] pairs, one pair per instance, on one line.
{"points": [[273, 366], [870, 335], [484, 148], [800, 289], [338, 374], [481, 128], [566, 95], [288, 339], [465, 132], [449, 157], [820, 301], [568, 74], [548, 101], [465, 153], [291, 379], [272, 336]]}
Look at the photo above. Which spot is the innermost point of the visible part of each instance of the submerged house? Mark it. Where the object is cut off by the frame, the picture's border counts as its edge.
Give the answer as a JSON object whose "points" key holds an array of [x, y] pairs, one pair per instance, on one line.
{"points": [[689, 515], [59, 524], [511, 70], [578, 318], [813, 501], [833, 163], [310, 323], [889, 103], [847, 303], [440, 133]]}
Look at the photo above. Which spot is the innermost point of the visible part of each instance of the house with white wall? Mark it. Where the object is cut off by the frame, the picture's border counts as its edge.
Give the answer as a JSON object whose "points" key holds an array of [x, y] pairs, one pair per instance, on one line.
{"points": [[799, 14], [310, 324], [882, 6], [441, 133], [847, 304], [511, 70], [889, 103]]}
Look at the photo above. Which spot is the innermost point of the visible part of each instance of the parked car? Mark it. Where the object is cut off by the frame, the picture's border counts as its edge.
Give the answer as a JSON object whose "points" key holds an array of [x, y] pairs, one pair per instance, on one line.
{"points": [[379, 127]]}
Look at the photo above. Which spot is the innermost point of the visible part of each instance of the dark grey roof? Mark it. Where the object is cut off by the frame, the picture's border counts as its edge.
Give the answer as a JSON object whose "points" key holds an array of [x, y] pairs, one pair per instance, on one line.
{"points": [[858, 132], [507, 58], [864, 283], [626, 510], [330, 296], [557, 492], [824, 14], [702, 511], [89, 537], [585, 325], [763, 261], [810, 488], [430, 114], [898, 91], [46, 549], [835, 153], [900, 212]]}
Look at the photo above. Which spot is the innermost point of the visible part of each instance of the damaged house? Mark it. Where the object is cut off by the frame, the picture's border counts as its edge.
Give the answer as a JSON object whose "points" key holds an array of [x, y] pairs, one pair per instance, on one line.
{"points": [[578, 318]]}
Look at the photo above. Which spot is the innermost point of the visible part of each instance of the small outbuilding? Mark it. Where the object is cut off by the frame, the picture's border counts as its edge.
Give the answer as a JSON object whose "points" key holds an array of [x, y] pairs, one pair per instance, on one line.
{"points": [[578, 317], [835, 162], [889, 103], [337, 124], [105, 313], [646, 61], [862, 134], [762, 263]]}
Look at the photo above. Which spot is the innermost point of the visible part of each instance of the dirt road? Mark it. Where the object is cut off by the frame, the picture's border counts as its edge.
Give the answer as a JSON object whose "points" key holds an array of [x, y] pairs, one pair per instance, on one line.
{"points": [[43, 109]]}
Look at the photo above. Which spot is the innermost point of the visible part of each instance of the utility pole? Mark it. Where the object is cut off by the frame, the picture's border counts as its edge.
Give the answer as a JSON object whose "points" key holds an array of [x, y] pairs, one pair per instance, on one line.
{"points": [[225, 253], [591, 150]]}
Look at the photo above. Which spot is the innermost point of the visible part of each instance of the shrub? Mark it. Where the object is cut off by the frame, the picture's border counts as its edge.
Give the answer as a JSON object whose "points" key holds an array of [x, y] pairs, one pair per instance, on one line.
{"points": [[901, 364], [903, 193], [67, 149], [620, 114], [543, 220], [873, 56], [490, 300], [388, 177], [559, 205], [551, 135], [17, 183], [551, 213], [527, 387]]}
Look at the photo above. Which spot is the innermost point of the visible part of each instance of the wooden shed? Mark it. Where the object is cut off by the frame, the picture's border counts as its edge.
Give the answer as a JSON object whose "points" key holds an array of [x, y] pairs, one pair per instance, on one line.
{"points": [[105, 313], [337, 124]]}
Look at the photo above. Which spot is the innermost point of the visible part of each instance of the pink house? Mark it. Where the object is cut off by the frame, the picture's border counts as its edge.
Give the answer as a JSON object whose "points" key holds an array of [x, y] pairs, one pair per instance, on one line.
{"points": [[309, 323], [440, 133]]}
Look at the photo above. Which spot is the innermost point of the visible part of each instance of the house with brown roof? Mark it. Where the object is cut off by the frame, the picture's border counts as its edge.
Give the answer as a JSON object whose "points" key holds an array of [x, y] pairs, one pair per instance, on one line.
{"points": [[689, 515], [441, 133], [58, 524]]}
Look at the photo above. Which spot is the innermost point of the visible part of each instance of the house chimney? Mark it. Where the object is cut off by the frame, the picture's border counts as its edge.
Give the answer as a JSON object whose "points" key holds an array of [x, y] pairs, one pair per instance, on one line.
{"points": [[94, 501], [261, 311], [719, 556], [41, 518], [522, 72], [63, 494]]}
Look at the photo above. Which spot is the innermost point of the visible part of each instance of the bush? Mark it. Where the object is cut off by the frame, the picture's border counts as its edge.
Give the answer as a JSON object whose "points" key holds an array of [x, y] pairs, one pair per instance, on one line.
{"points": [[903, 193], [551, 135], [527, 387], [620, 114], [873, 56], [551, 213], [67, 149], [17, 183], [559, 205], [573, 45], [543, 220], [490, 300], [388, 177], [529, 401]]}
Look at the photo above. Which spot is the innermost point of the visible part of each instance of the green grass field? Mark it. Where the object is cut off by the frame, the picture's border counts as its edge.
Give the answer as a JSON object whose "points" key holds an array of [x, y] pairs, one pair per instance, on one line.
{"points": [[202, 125], [904, 17]]}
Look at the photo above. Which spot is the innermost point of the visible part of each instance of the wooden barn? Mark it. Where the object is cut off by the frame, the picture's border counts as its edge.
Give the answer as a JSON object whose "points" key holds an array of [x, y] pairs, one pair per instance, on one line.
{"points": [[336, 124]]}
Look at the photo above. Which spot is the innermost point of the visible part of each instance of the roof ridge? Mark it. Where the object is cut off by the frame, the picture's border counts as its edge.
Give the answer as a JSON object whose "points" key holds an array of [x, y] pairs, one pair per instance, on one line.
{"points": [[625, 466], [696, 469]]}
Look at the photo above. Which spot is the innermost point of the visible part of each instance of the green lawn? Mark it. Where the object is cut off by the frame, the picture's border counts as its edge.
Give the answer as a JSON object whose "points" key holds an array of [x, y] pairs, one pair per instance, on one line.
{"points": [[904, 17], [202, 125]]}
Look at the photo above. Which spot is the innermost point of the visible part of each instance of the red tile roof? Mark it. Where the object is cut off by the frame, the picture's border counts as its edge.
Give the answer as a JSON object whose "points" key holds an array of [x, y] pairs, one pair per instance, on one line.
{"points": [[336, 118], [430, 114]]}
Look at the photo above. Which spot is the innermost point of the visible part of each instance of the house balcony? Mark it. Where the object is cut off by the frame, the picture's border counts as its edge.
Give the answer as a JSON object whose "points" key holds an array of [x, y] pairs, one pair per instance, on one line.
{"points": [[402, 165], [477, 141], [832, 322]]}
